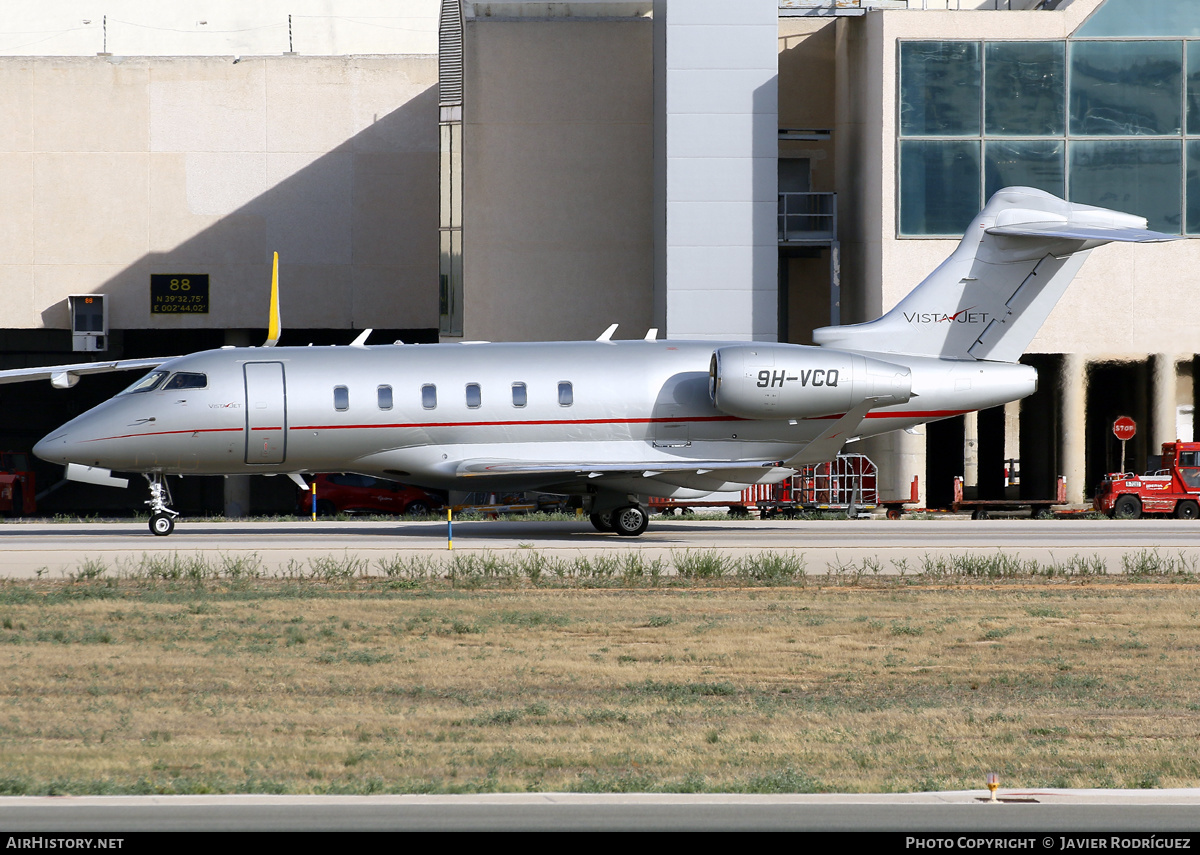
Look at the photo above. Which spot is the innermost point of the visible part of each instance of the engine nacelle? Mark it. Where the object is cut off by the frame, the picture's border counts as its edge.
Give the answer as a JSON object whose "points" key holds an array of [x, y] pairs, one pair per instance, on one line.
{"points": [[791, 381]]}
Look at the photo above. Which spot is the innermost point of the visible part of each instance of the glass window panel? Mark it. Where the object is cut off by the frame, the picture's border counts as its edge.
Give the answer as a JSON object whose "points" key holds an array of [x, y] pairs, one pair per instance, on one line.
{"points": [[1139, 176], [1128, 18], [520, 395], [341, 398], [1193, 87], [187, 380], [1024, 163], [939, 186], [566, 395], [429, 396], [1193, 186], [385, 397], [473, 395], [1126, 88], [1025, 93], [939, 88]]}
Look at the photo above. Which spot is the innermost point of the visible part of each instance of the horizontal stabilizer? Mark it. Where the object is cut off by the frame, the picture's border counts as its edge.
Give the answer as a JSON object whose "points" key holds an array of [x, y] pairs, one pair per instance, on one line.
{"points": [[1076, 232]]}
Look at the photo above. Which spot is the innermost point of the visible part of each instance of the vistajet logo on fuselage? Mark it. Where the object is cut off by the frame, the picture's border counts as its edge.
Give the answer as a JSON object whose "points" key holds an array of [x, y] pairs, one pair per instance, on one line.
{"points": [[963, 316]]}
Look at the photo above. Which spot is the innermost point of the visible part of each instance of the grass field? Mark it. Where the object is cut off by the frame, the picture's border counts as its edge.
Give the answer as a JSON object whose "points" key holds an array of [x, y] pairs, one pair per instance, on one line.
{"points": [[330, 681]]}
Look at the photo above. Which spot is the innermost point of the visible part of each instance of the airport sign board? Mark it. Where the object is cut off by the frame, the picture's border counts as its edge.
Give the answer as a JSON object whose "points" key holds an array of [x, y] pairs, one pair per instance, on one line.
{"points": [[179, 293]]}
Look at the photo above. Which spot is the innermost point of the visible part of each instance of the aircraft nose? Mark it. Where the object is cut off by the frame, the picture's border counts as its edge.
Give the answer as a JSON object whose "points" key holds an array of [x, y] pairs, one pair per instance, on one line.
{"points": [[53, 448]]}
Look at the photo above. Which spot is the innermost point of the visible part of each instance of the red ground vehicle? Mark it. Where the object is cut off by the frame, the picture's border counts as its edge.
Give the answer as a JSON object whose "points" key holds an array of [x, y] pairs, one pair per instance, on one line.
{"points": [[16, 485], [1172, 489], [339, 493]]}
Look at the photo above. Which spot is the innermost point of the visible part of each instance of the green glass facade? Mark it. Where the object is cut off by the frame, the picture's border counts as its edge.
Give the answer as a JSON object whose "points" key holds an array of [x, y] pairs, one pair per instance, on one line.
{"points": [[1103, 121]]}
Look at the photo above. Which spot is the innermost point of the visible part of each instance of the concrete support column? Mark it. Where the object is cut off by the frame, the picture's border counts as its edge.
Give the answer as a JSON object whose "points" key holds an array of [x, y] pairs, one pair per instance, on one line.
{"points": [[716, 143], [1072, 384], [237, 487], [971, 449], [899, 456], [1163, 402]]}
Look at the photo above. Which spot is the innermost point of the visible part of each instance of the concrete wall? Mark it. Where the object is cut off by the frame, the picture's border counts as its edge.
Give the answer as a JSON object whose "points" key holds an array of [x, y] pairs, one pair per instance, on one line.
{"points": [[219, 28], [720, 100], [557, 234], [118, 168]]}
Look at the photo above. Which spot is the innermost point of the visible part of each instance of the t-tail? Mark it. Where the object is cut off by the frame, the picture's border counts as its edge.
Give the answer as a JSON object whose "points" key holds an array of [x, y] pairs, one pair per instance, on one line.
{"points": [[989, 299]]}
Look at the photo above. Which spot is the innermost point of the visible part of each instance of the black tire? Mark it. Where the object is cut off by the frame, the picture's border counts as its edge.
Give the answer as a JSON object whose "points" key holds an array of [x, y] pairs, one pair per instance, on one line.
{"points": [[601, 522], [417, 509], [325, 508], [1187, 510], [630, 521], [162, 524], [980, 514], [1127, 508]]}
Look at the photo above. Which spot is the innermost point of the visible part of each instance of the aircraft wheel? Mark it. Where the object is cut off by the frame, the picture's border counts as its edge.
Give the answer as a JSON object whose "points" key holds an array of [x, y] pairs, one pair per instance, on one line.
{"points": [[162, 524], [601, 522], [417, 509], [630, 521], [1187, 511], [1127, 508], [325, 508]]}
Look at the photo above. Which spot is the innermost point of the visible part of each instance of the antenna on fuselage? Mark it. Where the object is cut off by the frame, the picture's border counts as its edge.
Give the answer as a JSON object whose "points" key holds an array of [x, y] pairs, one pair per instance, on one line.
{"points": [[274, 324]]}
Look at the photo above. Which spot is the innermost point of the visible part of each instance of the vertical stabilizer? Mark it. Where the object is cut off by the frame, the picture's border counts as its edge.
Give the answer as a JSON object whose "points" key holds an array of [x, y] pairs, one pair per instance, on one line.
{"points": [[992, 295]]}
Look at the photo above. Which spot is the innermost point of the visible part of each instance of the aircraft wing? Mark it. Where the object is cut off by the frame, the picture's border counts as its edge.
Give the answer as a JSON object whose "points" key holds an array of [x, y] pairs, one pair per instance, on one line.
{"points": [[1081, 232], [648, 469], [65, 376]]}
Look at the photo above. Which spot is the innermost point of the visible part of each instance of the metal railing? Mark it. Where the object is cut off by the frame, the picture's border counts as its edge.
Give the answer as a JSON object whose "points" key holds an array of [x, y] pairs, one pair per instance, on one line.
{"points": [[857, 7], [807, 217]]}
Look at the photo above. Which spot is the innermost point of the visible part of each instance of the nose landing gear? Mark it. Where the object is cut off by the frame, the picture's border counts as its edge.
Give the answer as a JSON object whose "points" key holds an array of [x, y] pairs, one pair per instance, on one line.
{"points": [[162, 517]]}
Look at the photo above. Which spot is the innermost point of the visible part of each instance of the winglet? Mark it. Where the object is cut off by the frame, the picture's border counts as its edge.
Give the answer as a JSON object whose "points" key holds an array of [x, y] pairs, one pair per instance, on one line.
{"points": [[608, 333], [829, 443], [274, 324], [361, 339]]}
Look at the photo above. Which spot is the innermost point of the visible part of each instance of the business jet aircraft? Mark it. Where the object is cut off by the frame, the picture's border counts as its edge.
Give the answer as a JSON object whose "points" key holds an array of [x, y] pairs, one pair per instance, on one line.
{"points": [[612, 421]]}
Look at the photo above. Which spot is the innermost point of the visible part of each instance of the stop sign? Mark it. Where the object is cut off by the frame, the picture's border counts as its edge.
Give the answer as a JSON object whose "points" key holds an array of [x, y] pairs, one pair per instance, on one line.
{"points": [[1124, 428]]}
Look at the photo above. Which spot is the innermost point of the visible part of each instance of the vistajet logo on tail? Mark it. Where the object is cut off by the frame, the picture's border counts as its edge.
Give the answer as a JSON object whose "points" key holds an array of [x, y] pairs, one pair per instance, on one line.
{"points": [[962, 316]]}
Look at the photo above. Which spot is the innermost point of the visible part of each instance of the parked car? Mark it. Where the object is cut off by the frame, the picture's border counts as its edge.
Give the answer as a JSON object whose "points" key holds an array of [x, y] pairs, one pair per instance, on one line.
{"points": [[350, 493]]}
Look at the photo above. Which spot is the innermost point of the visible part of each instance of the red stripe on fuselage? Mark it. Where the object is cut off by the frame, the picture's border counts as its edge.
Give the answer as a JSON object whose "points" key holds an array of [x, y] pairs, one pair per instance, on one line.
{"points": [[915, 414]]}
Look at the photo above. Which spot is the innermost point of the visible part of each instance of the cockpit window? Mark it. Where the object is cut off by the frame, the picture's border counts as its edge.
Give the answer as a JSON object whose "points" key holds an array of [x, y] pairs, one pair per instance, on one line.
{"points": [[151, 381], [187, 380]]}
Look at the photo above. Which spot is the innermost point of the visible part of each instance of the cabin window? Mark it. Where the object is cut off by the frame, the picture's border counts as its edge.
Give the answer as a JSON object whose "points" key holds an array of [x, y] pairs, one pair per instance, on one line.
{"points": [[520, 395], [473, 396], [429, 396], [385, 397], [341, 398], [187, 380], [566, 396], [150, 381]]}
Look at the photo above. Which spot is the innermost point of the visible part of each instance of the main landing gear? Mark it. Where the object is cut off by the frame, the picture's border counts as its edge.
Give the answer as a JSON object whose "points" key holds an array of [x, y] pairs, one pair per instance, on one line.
{"points": [[629, 521], [162, 517]]}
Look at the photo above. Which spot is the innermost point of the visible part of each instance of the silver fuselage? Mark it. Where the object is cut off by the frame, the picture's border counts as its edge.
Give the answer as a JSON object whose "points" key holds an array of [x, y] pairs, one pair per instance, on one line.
{"points": [[275, 410]]}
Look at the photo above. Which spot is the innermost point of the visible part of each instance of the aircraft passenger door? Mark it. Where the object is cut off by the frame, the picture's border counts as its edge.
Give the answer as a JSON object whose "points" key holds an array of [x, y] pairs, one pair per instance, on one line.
{"points": [[266, 412]]}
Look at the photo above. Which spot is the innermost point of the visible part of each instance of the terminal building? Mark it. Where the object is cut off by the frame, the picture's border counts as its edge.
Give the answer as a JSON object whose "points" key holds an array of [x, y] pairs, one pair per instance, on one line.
{"points": [[452, 170]]}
